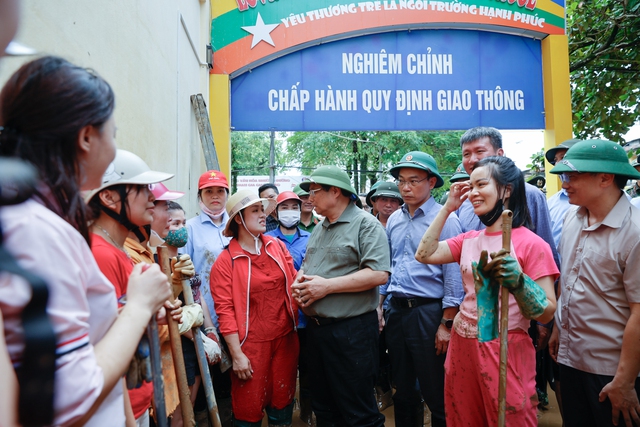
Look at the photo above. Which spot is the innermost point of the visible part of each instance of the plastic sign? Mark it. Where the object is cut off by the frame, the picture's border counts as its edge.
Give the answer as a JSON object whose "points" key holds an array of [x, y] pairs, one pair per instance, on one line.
{"points": [[248, 33], [408, 80]]}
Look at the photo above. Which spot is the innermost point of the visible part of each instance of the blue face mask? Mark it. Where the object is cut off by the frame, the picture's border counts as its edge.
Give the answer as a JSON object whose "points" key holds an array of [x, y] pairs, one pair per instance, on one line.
{"points": [[177, 238]]}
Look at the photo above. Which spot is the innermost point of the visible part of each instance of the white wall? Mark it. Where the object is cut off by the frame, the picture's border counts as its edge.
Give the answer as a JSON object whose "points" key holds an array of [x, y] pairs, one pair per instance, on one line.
{"points": [[141, 48]]}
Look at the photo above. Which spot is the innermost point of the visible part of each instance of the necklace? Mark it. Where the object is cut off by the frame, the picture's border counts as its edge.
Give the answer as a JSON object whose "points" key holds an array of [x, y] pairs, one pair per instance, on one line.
{"points": [[106, 233]]}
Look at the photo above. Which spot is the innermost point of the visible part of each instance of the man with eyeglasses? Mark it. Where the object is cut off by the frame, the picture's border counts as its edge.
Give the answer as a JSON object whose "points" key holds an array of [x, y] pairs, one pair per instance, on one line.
{"points": [[337, 288], [424, 298], [596, 341], [270, 191]]}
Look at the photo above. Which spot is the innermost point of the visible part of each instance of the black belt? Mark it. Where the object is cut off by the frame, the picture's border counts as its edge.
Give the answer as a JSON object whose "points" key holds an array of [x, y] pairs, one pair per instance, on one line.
{"points": [[413, 302], [322, 321]]}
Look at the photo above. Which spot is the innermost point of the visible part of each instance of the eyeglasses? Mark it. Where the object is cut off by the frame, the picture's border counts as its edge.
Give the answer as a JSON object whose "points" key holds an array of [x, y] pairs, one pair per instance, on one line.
{"points": [[312, 193], [569, 177], [414, 182]]}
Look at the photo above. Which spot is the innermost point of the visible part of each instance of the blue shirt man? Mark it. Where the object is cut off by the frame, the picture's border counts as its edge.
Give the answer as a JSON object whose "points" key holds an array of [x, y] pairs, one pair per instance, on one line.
{"points": [[558, 207], [424, 298]]}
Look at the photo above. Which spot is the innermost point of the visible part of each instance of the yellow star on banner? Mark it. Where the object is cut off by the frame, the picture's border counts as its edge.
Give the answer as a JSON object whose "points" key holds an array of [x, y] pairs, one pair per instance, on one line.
{"points": [[261, 32]]}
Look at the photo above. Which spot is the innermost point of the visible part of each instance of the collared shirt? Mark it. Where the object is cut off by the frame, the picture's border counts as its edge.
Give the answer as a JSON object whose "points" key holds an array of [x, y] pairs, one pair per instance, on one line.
{"points": [[297, 247], [138, 252], [558, 207], [309, 228], [411, 278], [353, 242], [272, 223], [599, 280], [537, 204], [636, 202], [204, 245]]}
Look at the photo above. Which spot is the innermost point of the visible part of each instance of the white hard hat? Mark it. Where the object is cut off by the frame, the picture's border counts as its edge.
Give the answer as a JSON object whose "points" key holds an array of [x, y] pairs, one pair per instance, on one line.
{"points": [[127, 168]]}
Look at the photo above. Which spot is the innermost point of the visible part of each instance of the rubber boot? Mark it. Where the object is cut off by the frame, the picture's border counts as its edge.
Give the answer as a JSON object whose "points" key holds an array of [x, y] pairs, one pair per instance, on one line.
{"points": [[280, 417]]}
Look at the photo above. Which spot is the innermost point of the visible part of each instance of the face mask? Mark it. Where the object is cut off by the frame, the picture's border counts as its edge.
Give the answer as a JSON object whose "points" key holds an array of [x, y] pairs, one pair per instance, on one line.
{"points": [[492, 216], [213, 215], [177, 238], [289, 219]]}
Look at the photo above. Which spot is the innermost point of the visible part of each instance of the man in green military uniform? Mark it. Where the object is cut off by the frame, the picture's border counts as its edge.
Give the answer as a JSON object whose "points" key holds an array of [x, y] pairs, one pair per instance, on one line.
{"points": [[337, 288], [308, 219]]}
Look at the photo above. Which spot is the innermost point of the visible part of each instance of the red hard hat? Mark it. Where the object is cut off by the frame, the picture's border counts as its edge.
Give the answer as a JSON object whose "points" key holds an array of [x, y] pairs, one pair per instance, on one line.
{"points": [[212, 179], [288, 195]]}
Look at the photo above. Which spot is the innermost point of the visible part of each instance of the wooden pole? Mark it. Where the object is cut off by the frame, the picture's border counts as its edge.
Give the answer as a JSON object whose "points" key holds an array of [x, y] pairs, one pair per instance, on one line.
{"points": [[176, 350], [507, 216], [212, 405]]}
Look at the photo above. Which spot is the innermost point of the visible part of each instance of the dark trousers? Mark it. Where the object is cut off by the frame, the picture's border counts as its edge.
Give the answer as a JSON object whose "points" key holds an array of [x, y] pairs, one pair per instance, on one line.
{"points": [[411, 334], [343, 365], [580, 404]]}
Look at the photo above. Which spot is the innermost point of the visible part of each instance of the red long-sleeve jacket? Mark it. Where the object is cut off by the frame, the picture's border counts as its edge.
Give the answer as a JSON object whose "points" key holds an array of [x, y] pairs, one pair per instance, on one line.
{"points": [[230, 283]]}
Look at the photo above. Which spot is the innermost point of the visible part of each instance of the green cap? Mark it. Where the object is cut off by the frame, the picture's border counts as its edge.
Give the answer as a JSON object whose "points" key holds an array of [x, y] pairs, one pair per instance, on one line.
{"points": [[387, 189], [370, 193], [299, 191], [551, 153], [418, 160], [330, 175], [537, 180], [598, 156], [459, 175]]}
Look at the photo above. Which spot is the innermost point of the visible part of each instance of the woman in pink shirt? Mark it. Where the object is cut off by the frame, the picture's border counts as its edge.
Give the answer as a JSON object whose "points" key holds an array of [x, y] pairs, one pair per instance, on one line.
{"points": [[59, 118], [528, 272]]}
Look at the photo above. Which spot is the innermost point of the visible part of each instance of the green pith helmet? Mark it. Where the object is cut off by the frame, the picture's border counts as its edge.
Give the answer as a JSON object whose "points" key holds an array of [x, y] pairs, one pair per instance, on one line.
{"points": [[596, 155], [551, 152], [418, 160], [330, 175], [537, 180], [459, 175], [370, 193], [387, 189], [299, 191]]}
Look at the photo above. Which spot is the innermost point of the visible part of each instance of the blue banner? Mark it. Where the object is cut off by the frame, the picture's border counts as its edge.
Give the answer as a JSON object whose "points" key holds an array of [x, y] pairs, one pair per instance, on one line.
{"points": [[409, 80]]}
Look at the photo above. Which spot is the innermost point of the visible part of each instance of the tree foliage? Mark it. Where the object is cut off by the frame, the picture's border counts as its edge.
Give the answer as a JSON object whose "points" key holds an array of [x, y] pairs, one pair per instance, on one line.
{"points": [[250, 154], [367, 156], [604, 36]]}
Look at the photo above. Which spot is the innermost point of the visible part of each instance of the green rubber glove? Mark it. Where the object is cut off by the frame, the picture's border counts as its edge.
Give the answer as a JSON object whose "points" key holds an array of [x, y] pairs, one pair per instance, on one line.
{"points": [[486, 299], [505, 271]]}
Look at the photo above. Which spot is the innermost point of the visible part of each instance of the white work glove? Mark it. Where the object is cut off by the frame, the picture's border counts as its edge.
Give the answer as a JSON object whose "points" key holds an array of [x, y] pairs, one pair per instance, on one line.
{"points": [[182, 269], [211, 349], [225, 360], [192, 317]]}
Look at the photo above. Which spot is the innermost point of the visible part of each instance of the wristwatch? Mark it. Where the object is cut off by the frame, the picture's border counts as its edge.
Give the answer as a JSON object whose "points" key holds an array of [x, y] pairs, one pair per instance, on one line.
{"points": [[448, 323]]}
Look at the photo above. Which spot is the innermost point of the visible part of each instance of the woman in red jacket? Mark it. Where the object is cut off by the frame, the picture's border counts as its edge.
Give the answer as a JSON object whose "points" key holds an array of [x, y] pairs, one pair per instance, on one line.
{"points": [[250, 282]]}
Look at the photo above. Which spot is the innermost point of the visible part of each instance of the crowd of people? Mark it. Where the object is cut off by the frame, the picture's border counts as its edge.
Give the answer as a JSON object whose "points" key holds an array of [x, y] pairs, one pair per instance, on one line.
{"points": [[305, 286]]}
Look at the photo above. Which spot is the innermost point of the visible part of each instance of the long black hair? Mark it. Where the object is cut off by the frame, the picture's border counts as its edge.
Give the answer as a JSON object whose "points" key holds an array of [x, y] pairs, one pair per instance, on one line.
{"points": [[43, 108], [507, 175]]}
